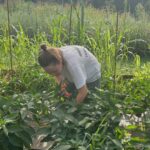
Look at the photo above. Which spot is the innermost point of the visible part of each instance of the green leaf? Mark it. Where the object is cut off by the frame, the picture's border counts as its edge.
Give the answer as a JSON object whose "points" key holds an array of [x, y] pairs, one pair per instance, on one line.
{"points": [[11, 119], [44, 130], [138, 109], [23, 113], [84, 121], [54, 120], [25, 137], [28, 129], [138, 139], [118, 106], [5, 130], [147, 146], [71, 119], [63, 147], [14, 140], [72, 110], [59, 114], [117, 143], [88, 125], [13, 128], [131, 127], [82, 148], [55, 128]]}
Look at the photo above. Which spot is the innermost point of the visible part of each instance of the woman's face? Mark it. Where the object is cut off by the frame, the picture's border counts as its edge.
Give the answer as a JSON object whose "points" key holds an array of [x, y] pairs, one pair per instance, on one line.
{"points": [[54, 70]]}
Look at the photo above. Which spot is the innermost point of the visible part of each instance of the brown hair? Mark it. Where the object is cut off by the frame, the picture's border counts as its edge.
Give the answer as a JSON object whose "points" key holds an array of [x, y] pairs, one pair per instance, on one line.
{"points": [[48, 56]]}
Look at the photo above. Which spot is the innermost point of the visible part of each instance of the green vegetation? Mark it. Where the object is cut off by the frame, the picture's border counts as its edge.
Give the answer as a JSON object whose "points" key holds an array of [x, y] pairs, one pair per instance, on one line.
{"points": [[29, 103]]}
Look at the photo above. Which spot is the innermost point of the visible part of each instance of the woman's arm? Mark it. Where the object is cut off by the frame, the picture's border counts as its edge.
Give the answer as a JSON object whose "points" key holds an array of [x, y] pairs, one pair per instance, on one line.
{"points": [[82, 93]]}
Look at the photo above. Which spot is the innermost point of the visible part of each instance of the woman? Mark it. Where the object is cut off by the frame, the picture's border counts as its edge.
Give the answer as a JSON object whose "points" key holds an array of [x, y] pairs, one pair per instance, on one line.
{"points": [[72, 64]]}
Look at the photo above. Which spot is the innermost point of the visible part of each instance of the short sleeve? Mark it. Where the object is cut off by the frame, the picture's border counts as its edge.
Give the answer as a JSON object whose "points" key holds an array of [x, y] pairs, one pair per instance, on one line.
{"points": [[78, 75]]}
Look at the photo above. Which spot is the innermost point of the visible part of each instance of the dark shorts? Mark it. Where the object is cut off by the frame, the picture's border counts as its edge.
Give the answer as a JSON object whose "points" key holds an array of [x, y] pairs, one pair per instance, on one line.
{"points": [[91, 86]]}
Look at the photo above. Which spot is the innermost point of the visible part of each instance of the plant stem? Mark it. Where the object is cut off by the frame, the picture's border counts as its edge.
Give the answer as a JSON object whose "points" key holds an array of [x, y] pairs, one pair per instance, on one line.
{"points": [[116, 49], [70, 23], [10, 51]]}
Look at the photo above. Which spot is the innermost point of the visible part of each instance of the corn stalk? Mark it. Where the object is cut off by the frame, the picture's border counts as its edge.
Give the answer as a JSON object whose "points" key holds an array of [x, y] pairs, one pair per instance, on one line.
{"points": [[70, 21], [116, 49], [9, 37]]}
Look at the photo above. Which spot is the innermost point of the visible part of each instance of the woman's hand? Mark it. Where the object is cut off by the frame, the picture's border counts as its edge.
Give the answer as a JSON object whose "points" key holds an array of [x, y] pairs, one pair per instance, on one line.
{"points": [[63, 91]]}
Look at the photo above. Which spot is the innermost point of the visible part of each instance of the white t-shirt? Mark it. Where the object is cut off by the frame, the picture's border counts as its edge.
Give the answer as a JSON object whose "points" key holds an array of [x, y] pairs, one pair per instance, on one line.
{"points": [[80, 65]]}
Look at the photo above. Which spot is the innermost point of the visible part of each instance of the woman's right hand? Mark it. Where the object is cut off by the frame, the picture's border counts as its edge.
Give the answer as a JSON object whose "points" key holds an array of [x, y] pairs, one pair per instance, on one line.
{"points": [[63, 91]]}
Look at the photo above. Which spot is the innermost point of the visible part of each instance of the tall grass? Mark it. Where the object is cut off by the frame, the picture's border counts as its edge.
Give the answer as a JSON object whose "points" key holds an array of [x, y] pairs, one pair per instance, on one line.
{"points": [[32, 24]]}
